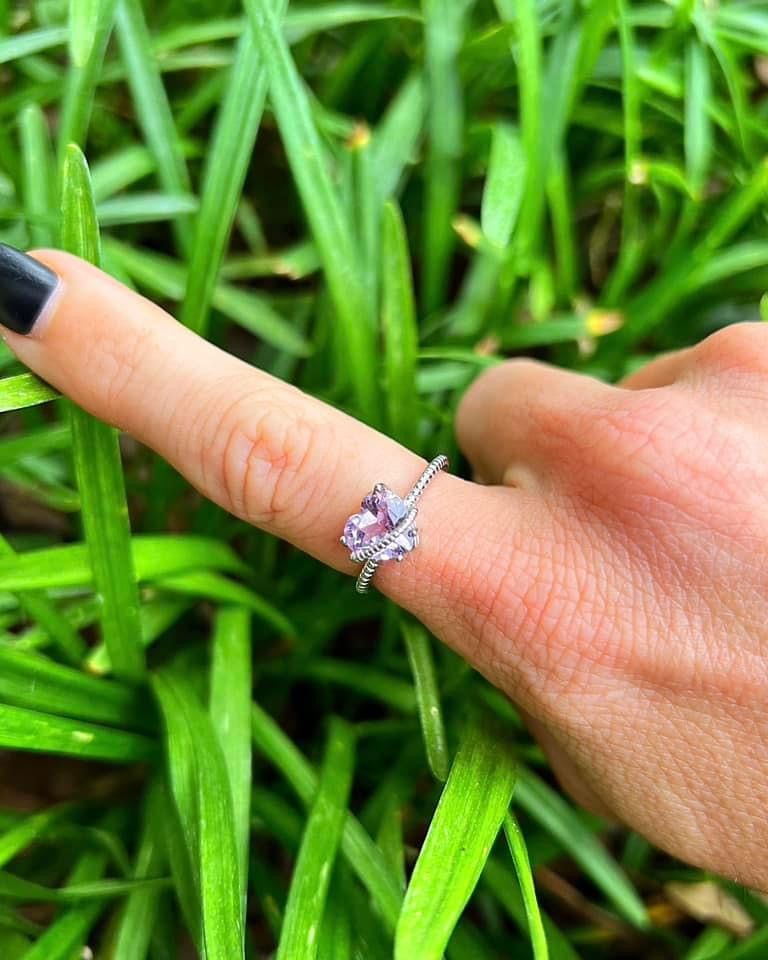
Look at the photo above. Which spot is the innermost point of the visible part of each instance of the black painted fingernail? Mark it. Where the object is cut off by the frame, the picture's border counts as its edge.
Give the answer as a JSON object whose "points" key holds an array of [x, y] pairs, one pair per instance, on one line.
{"points": [[26, 286]]}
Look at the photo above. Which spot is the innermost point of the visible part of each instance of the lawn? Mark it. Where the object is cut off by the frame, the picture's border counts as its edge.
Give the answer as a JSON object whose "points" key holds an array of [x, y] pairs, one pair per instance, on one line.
{"points": [[211, 746]]}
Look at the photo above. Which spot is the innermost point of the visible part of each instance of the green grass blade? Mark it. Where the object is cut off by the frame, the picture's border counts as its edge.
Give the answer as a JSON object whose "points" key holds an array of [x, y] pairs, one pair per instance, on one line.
{"points": [[204, 583], [362, 677], [137, 916], [152, 108], [48, 617], [166, 277], [301, 22], [153, 557], [504, 184], [146, 207], [29, 831], [65, 938], [502, 884], [96, 455], [230, 711], [398, 316], [709, 944], [530, 82], [397, 136], [30, 730], [30, 42], [314, 866], [37, 174], [698, 125], [83, 14], [330, 229], [419, 649], [363, 855], [24, 390], [519, 853], [199, 781], [29, 680], [553, 813], [463, 829], [81, 80], [444, 33], [34, 442], [230, 152]]}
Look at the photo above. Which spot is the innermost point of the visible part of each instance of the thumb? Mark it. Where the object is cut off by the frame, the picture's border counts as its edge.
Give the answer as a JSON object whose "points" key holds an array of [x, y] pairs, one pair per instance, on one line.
{"points": [[262, 449]]}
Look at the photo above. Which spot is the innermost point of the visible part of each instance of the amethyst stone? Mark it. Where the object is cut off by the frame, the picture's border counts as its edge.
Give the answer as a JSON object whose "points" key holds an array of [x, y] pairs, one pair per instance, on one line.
{"points": [[382, 510]]}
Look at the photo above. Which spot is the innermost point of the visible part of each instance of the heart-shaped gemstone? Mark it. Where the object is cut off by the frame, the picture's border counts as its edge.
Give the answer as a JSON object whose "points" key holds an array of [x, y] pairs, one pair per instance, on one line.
{"points": [[381, 511]]}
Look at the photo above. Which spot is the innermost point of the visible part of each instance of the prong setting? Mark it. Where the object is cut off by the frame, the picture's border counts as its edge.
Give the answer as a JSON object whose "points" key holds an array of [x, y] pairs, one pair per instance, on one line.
{"points": [[386, 530]]}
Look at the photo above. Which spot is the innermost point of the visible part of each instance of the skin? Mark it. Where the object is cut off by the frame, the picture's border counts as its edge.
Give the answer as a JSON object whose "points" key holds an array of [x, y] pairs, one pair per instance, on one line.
{"points": [[609, 574]]}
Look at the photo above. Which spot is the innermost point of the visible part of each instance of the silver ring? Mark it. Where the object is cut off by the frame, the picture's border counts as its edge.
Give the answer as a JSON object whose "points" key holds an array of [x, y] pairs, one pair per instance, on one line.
{"points": [[385, 529]]}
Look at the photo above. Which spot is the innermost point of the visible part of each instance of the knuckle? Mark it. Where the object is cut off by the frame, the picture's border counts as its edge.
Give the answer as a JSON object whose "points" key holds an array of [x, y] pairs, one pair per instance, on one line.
{"points": [[271, 463], [738, 348]]}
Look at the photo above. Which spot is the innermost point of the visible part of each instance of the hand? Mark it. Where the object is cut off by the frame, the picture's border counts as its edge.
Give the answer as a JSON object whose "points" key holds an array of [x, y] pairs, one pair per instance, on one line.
{"points": [[612, 579]]}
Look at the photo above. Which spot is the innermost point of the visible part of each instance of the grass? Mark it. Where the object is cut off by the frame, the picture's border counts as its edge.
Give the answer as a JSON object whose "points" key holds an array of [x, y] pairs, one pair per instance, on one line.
{"points": [[374, 201]]}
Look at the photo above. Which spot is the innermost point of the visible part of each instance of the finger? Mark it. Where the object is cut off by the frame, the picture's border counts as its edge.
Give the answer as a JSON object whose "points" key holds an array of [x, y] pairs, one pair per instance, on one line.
{"points": [[262, 449], [662, 371], [508, 415], [570, 777]]}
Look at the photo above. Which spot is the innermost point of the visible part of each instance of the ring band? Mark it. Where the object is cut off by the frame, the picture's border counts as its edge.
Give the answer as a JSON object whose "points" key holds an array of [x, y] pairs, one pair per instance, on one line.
{"points": [[385, 528]]}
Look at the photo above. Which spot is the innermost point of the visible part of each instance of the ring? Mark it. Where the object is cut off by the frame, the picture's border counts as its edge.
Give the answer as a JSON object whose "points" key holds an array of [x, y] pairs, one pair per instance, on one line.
{"points": [[385, 528]]}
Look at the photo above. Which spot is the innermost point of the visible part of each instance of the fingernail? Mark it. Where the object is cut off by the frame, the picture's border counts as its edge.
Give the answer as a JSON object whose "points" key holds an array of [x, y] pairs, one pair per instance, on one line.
{"points": [[26, 285]]}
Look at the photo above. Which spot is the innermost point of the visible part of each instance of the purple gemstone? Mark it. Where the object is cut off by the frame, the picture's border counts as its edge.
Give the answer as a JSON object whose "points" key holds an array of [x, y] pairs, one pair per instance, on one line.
{"points": [[381, 511]]}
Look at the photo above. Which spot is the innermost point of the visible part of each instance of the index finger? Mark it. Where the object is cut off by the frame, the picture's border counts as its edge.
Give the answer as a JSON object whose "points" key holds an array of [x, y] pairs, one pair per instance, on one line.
{"points": [[264, 450]]}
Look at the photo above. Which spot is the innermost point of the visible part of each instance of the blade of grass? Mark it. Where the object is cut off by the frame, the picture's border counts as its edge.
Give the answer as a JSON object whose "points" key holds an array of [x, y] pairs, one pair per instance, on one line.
{"points": [[29, 831], [29, 680], [153, 557], [29, 730], [379, 684], [34, 442], [65, 937], [96, 456], [229, 155], [553, 813], [504, 185], [204, 583], [199, 782], [530, 82], [501, 882], [444, 26], [230, 711], [137, 916], [81, 79], [152, 109], [522, 864], [397, 136], [419, 650], [334, 940], [363, 856], [30, 42], [37, 173], [331, 231], [157, 616], [398, 316], [83, 14], [314, 865], [24, 390], [463, 829], [165, 277], [48, 617], [698, 125], [146, 207]]}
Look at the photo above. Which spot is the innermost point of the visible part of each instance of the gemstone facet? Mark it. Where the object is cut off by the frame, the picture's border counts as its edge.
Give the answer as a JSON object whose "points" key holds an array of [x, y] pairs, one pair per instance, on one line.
{"points": [[381, 511]]}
